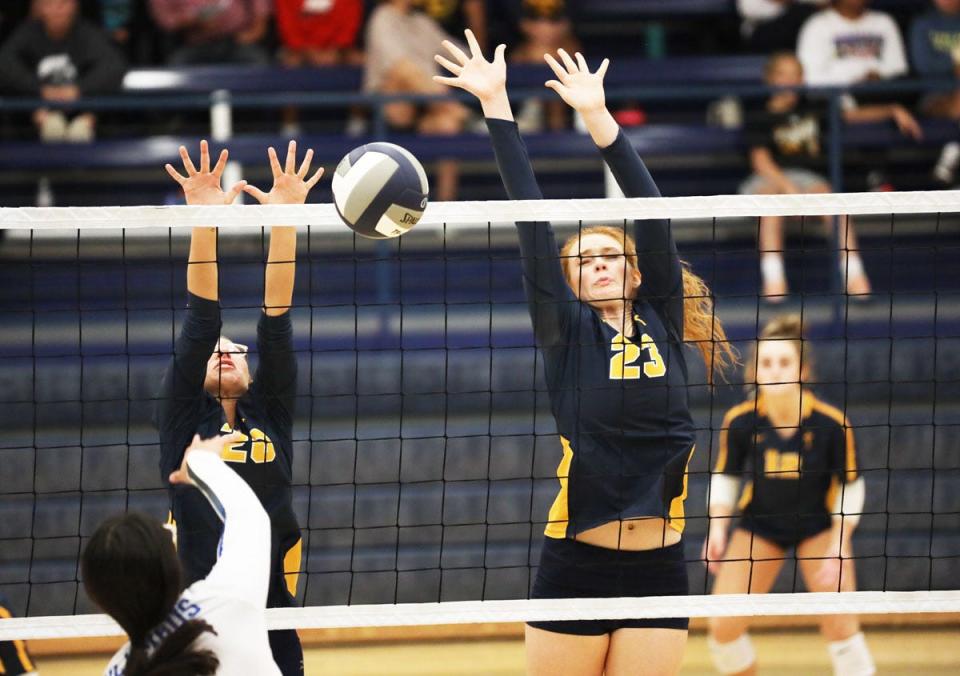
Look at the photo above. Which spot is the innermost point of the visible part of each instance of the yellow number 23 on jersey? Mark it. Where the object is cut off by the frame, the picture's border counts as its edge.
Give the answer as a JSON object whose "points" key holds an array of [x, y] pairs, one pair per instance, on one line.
{"points": [[626, 352]]}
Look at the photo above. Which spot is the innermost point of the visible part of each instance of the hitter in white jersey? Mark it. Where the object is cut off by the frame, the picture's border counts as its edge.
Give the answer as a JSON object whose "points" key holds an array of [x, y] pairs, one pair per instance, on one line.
{"points": [[215, 626]]}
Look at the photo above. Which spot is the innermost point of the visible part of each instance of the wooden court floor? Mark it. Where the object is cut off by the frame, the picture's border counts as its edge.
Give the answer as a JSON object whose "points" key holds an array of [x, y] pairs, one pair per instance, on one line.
{"points": [[908, 651]]}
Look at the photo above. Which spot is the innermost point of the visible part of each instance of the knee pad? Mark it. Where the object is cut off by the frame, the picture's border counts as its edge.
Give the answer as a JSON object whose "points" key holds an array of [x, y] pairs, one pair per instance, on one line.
{"points": [[851, 656], [732, 657]]}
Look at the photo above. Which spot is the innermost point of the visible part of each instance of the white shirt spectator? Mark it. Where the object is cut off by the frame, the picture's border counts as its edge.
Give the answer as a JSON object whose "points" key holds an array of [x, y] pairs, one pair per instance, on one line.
{"points": [[839, 51]]}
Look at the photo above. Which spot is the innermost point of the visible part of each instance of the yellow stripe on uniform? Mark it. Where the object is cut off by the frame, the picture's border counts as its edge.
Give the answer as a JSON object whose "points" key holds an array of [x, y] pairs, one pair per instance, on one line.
{"points": [[746, 496], [677, 522], [732, 414], [560, 510], [20, 646], [291, 566], [838, 417]]}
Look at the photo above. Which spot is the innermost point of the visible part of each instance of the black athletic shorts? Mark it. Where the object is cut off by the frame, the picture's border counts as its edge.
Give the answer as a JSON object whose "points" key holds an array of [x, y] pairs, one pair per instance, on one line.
{"points": [[571, 569], [784, 535]]}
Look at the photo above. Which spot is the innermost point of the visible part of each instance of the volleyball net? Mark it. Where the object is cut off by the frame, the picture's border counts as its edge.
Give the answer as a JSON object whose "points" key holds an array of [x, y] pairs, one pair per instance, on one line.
{"points": [[425, 454]]}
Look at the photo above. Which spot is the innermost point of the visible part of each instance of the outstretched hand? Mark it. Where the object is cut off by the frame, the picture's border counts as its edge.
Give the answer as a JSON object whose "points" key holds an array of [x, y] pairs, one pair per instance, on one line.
{"points": [[576, 85], [203, 186], [290, 185], [484, 79]]}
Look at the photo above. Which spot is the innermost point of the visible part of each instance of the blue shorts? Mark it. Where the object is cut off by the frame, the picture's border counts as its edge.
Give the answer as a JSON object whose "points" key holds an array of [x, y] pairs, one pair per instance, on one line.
{"points": [[571, 569]]}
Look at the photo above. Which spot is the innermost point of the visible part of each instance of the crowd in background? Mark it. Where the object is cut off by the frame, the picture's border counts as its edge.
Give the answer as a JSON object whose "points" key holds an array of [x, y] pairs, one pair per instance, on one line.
{"points": [[63, 50]]}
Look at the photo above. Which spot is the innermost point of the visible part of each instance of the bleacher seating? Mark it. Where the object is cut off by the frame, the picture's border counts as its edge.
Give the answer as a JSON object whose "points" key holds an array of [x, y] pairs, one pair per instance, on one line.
{"points": [[47, 394]]}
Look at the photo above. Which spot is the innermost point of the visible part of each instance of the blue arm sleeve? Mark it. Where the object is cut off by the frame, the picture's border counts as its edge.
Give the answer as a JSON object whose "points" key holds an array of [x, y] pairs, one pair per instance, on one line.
{"points": [[276, 376], [660, 268], [181, 391], [548, 295]]}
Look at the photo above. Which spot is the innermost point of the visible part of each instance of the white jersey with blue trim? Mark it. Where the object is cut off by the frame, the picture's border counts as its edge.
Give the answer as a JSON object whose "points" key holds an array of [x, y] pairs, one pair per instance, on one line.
{"points": [[232, 598]]}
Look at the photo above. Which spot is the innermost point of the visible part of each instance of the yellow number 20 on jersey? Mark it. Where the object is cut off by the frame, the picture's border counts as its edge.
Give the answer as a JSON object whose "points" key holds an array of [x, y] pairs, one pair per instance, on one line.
{"points": [[626, 352]]}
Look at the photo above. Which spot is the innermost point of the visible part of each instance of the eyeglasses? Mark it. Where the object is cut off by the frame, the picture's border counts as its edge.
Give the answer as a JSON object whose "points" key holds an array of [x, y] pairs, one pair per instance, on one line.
{"points": [[238, 348]]}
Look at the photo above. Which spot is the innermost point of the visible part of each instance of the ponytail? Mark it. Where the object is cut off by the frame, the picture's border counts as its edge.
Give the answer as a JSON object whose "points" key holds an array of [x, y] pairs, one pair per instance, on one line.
{"points": [[130, 569], [702, 326], [174, 657]]}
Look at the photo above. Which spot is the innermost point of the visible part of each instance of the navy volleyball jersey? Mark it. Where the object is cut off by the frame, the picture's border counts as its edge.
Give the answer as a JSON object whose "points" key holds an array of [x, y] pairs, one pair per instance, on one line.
{"points": [[263, 459], [791, 482], [620, 403]]}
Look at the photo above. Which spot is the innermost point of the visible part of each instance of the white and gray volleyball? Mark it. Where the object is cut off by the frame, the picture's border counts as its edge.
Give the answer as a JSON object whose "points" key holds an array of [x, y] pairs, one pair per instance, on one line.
{"points": [[380, 190]]}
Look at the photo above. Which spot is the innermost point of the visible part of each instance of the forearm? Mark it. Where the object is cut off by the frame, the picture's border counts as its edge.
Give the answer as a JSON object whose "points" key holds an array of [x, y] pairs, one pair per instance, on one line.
{"points": [[872, 113], [497, 107], [602, 127], [281, 270], [202, 277]]}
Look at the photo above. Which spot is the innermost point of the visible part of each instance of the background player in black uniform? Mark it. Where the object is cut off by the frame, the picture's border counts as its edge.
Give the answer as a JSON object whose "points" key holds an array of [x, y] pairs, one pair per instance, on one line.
{"points": [[611, 333], [14, 658], [207, 388], [798, 456]]}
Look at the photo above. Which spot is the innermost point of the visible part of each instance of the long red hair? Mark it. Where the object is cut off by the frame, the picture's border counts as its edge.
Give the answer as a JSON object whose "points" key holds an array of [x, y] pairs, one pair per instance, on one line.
{"points": [[701, 325]]}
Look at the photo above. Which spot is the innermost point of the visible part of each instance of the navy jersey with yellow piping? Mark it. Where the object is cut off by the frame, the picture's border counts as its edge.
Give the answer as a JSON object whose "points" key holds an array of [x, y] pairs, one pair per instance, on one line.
{"points": [[620, 404], [264, 458], [792, 479], [14, 658]]}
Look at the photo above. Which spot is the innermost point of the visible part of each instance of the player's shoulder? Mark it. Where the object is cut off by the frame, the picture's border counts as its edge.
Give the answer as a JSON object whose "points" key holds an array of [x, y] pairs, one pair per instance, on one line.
{"points": [[741, 415], [826, 413]]}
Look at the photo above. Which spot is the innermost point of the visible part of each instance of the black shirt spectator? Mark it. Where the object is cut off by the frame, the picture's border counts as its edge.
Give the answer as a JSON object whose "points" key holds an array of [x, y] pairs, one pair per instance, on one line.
{"points": [[59, 56]]}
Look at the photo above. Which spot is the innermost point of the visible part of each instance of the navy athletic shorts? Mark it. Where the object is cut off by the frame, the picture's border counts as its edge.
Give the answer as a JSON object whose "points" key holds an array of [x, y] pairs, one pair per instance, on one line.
{"points": [[571, 569]]}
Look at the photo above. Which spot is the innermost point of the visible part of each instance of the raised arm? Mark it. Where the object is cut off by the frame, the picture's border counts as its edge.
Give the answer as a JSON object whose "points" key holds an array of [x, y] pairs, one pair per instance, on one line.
{"points": [[243, 565], [182, 385], [662, 274], [277, 366], [290, 186], [550, 298], [203, 187]]}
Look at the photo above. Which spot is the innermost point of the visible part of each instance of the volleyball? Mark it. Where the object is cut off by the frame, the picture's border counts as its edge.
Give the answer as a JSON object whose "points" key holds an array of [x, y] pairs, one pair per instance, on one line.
{"points": [[380, 190]]}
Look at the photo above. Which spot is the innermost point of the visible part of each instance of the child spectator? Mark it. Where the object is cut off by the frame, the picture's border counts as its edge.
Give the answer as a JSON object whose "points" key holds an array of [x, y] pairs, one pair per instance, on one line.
{"points": [[786, 155], [215, 31], [60, 57]]}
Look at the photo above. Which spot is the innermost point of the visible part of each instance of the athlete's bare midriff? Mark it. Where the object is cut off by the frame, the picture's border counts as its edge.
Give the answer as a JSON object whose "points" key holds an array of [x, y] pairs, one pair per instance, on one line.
{"points": [[631, 535]]}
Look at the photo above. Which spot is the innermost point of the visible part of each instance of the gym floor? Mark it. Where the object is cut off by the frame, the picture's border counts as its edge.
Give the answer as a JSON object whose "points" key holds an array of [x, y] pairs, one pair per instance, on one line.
{"points": [[907, 651]]}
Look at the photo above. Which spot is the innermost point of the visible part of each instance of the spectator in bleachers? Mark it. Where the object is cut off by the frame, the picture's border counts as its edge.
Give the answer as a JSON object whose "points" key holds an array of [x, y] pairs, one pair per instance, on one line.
{"points": [[546, 26], [60, 57], [848, 43], [773, 25], [455, 16], [404, 66], [786, 152], [215, 31], [935, 53], [319, 32]]}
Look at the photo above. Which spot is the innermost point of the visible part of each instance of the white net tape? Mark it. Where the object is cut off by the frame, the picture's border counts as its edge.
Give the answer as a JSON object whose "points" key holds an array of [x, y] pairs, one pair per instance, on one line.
{"points": [[471, 612], [440, 213]]}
